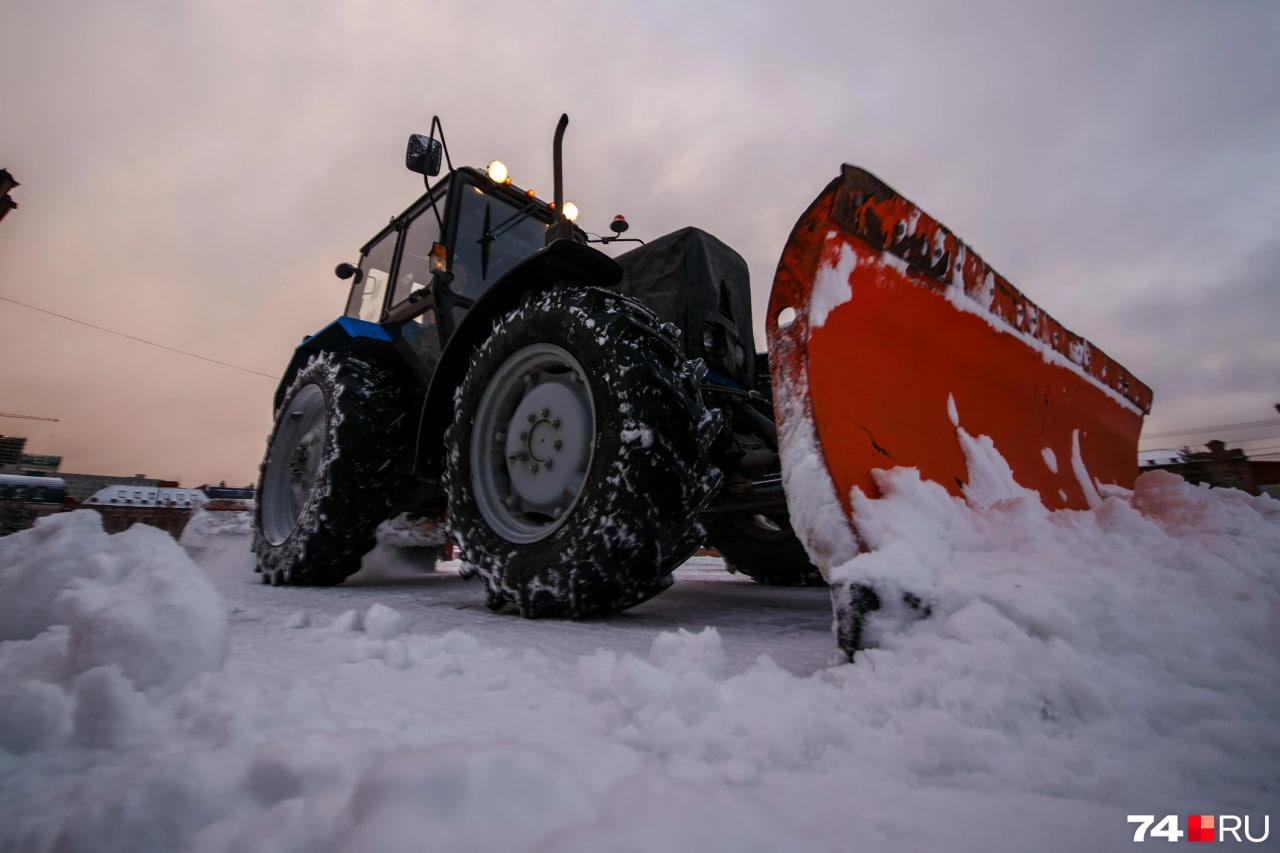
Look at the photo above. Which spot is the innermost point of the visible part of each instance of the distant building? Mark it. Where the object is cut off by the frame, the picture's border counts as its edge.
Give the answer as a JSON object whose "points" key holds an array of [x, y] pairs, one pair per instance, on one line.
{"points": [[124, 505], [1148, 459], [7, 182], [223, 492], [23, 499], [40, 464], [1217, 465], [81, 487], [11, 447]]}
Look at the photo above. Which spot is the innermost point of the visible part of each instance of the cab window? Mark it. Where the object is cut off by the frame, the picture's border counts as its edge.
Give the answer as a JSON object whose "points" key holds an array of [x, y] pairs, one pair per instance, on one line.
{"points": [[415, 261], [492, 238], [368, 294]]}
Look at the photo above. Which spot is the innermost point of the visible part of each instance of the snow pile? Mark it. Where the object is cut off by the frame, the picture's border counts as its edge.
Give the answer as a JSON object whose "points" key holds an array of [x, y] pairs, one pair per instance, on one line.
{"points": [[405, 531], [1077, 666], [1140, 639], [93, 628], [205, 525]]}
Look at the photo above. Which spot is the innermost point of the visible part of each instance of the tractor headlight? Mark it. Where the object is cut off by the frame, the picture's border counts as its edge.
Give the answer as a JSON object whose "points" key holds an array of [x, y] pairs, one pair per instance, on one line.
{"points": [[570, 211], [497, 171]]}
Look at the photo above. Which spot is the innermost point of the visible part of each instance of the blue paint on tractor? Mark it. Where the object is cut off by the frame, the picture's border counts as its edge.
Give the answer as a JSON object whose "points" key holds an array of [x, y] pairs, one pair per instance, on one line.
{"points": [[354, 328], [342, 335]]}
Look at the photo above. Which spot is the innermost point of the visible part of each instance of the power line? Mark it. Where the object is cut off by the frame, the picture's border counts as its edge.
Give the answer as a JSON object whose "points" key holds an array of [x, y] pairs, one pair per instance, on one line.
{"points": [[1259, 450], [1215, 428], [1239, 443], [140, 340]]}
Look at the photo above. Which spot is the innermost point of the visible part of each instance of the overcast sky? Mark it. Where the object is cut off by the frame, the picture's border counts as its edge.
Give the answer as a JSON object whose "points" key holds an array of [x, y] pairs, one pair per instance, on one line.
{"points": [[191, 172]]}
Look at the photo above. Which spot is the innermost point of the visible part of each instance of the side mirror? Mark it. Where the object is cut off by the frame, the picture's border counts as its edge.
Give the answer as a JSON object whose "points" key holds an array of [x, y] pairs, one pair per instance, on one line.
{"points": [[345, 270], [422, 155]]}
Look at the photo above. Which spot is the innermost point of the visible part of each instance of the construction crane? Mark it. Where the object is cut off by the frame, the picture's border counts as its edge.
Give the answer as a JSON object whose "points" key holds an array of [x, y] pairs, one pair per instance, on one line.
{"points": [[28, 417]]}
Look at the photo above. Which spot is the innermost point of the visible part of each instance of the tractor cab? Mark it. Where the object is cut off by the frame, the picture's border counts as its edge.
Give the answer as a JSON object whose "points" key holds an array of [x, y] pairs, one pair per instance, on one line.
{"points": [[420, 274]]}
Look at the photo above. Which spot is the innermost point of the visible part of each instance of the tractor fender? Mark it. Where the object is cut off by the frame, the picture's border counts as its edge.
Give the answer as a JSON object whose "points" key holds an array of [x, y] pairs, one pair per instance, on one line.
{"points": [[345, 334], [560, 261]]}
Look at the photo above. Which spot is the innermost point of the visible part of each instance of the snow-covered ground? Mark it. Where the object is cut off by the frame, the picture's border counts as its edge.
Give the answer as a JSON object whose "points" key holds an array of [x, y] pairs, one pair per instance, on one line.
{"points": [[1077, 667]]}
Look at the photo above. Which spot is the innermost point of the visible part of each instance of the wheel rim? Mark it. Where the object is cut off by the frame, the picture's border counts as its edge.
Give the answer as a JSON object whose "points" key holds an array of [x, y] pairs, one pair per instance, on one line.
{"points": [[294, 458], [532, 443]]}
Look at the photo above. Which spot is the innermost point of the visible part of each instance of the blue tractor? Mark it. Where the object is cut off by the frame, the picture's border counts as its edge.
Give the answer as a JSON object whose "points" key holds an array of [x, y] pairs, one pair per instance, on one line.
{"points": [[583, 423]]}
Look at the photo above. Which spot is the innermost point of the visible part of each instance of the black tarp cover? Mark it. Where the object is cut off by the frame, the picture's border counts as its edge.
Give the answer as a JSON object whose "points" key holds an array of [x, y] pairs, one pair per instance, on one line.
{"points": [[690, 278]]}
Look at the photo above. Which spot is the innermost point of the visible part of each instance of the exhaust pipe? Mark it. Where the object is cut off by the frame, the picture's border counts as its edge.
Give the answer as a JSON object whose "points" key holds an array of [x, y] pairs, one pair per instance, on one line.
{"points": [[561, 228]]}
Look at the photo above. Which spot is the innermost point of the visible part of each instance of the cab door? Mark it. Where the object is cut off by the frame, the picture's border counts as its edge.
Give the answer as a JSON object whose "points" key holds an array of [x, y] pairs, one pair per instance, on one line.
{"points": [[414, 304]]}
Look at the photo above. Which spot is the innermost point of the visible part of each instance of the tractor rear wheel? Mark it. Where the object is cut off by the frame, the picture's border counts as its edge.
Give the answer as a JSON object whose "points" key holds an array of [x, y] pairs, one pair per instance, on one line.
{"points": [[327, 480], [763, 547], [577, 459]]}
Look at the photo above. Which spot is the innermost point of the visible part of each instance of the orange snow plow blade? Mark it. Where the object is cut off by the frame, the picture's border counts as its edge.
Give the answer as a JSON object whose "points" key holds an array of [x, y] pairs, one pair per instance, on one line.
{"points": [[886, 332]]}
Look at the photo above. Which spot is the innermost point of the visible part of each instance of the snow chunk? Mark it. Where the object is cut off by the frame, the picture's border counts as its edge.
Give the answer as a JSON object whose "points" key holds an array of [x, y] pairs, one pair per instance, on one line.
{"points": [[686, 652], [206, 525], [384, 623], [831, 287], [642, 436], [1078, 468], [133, 600]]}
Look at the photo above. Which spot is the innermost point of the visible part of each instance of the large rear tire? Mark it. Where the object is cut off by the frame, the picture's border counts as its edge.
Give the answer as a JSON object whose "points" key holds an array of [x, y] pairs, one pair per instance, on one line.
{"points": [[327, 480], [763, 547], [577, 461]]}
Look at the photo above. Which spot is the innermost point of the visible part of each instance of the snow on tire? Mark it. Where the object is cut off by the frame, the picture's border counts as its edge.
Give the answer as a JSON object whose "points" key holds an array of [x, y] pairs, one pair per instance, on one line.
{"points": [[327, 479], [555, 526]]}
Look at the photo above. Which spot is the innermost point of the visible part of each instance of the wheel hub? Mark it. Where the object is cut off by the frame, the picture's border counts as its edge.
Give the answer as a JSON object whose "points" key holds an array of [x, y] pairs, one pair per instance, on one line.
{"points": [[293, 463], [533, 443]]}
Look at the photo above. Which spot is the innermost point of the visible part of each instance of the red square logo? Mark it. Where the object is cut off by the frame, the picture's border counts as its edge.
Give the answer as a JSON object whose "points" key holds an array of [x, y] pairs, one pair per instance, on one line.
{"points": [[1199, 827]]}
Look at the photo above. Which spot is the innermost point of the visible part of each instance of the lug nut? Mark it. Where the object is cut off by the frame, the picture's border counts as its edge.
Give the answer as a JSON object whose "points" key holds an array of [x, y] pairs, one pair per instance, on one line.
{"points": [[557, 444], [524, 436], [532, 418], [547, 462], [555, 423], [533, 468], [546, 413]]}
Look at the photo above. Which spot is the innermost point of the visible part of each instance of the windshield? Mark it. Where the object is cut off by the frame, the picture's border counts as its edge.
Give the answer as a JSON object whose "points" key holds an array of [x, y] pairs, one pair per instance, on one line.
{"points": [[492, 238]]}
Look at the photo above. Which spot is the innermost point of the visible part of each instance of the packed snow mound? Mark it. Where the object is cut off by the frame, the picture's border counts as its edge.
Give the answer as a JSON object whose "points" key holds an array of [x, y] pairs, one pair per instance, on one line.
{"points": [[405, 531], [210, 524], [94, 626], [1153, 618]]}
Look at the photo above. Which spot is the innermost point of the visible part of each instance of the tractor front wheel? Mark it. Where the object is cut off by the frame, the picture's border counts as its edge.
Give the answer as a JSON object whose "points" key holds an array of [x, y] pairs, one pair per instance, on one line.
{"points": [[577, 460], [327, 480]]}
